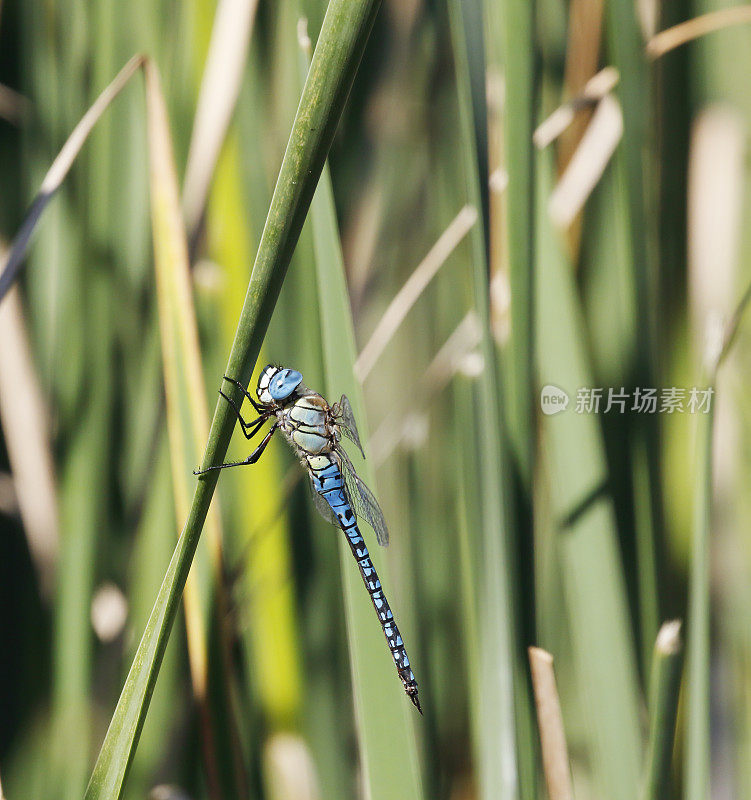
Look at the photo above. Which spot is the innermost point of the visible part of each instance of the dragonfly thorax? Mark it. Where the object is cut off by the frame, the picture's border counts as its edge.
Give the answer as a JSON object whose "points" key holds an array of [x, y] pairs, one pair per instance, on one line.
{"points": [[308, 424]]}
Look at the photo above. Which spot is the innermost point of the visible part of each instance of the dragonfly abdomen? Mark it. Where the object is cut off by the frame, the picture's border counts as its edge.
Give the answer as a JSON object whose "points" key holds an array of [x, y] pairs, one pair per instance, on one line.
{"points": [[329, 483], [383, 610], [391, 632]]}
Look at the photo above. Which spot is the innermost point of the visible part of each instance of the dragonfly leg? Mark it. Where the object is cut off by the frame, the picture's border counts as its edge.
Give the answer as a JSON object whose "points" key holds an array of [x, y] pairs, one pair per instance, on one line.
{"points": [[247, 394], [251, 459], [246, 426], [258, 452]]}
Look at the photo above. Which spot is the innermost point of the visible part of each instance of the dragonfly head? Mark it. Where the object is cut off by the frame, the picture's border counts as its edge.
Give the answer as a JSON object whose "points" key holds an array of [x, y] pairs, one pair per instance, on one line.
{"points": [[276, 384]]}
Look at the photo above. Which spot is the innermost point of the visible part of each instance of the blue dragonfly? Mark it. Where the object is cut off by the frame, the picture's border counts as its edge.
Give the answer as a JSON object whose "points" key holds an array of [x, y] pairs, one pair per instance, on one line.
{"points": [[314, 429]]}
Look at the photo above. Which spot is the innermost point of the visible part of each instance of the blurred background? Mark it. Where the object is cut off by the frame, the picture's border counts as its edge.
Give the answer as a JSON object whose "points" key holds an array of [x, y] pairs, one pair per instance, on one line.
{"points": [[607, 254]]}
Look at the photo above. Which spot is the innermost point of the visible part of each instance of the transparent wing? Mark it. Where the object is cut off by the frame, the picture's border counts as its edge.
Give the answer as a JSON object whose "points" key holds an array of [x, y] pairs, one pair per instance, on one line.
{"points": [[363, 501], [322, 507], [346, 421]]}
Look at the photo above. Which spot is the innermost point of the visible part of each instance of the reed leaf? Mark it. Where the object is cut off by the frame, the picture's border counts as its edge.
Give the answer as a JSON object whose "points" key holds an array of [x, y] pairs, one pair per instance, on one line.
{"points": [[518, 31], [626, 47], [187, 424], [501, 664], [698, 742], [263, 542], [585, 531], [384, 715]]}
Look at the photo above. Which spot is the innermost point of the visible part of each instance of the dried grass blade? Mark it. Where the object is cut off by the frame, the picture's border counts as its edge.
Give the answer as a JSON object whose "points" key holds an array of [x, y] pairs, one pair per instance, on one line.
{"points": [[59, 169], [26, 432], [588, 162], [685, 32], [595, 89], [220, 87], [415, 285], [555, 759]]}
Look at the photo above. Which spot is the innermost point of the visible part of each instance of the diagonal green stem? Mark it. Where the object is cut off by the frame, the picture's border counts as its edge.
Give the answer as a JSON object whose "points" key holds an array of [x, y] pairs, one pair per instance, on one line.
{"points": [[337, 55]]}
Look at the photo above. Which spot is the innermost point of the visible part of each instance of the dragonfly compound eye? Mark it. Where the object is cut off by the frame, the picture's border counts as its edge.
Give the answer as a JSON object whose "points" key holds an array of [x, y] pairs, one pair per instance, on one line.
{"points": [[283, 384]]}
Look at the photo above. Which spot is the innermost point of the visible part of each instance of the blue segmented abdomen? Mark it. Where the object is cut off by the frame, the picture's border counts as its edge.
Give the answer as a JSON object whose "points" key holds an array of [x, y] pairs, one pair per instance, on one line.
{"points": [[329, 483]]}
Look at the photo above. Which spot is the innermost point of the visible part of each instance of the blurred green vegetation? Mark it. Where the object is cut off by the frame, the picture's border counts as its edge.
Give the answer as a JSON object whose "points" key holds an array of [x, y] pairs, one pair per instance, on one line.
{"points": [[579, 533]]}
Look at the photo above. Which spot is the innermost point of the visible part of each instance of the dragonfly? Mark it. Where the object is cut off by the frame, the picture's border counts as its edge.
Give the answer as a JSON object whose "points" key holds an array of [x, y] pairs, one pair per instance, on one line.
{"points": [[315, 430]]}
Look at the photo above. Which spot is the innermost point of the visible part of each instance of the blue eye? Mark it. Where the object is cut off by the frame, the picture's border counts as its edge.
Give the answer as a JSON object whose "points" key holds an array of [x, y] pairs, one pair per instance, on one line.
{"points": [[284, 384]]}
